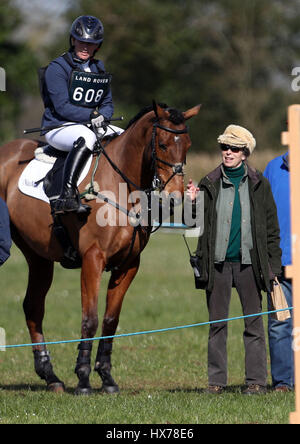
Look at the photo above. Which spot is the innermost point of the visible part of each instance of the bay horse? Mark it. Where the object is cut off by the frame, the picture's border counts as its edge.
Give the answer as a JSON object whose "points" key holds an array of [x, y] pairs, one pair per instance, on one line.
{"points": [[154, 143]]}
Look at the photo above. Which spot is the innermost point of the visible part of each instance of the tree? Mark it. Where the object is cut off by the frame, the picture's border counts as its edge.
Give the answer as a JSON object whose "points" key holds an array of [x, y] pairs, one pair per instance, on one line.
{"points": [[20, 70], [233, 57], [247, 64]]}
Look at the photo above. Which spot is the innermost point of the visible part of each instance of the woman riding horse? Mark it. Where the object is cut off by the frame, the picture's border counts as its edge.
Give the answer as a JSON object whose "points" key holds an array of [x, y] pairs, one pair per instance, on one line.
{"points": [[75, 84], [152, 150]]}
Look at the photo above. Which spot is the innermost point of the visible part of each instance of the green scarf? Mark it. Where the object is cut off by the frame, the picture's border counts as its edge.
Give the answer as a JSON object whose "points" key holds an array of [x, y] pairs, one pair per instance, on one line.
{"points": [[233, 253]]}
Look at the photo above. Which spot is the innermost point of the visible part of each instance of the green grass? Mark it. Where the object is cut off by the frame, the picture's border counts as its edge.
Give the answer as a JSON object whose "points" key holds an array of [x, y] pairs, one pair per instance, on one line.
{"points": [[162, 376]]}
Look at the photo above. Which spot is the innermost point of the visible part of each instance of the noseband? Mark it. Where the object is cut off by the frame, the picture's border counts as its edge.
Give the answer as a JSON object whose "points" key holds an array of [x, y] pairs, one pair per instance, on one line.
{"points": [[177, 168]]}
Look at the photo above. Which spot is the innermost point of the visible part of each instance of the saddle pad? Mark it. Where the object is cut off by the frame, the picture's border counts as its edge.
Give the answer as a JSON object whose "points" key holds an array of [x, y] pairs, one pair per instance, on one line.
{"points": [[36, 171]]}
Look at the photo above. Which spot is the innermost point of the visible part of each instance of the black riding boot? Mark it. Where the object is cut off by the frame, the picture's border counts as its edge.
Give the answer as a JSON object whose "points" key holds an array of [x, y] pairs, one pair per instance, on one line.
{"points": [[69, 199]]}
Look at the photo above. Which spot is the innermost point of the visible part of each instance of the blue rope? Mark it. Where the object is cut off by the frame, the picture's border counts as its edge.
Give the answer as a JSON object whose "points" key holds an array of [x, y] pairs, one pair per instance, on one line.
{"points": [[161, 330]]}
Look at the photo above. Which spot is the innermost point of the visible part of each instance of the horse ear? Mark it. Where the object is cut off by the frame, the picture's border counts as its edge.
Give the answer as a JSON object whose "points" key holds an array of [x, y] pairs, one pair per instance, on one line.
{"points": [[191, 112], [154, 108], [161, 113]]}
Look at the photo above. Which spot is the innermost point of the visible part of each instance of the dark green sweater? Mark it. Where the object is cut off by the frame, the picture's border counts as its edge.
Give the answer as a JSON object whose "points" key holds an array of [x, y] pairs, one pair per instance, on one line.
{"points": [[233, 254]]}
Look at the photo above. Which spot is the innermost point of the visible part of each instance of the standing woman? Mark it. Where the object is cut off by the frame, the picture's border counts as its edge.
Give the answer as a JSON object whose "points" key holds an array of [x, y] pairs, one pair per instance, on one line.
{"points": [[77, 90], [239, 248]]}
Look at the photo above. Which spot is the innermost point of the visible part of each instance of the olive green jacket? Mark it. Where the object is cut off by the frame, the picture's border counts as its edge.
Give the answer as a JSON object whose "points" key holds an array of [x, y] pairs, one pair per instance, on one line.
{"points": [[266, 253]]}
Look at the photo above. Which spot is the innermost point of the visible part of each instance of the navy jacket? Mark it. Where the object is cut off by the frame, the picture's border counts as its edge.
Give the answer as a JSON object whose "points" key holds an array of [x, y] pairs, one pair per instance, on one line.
{"points": [[278, 174], [57, 78], [5, 239]]}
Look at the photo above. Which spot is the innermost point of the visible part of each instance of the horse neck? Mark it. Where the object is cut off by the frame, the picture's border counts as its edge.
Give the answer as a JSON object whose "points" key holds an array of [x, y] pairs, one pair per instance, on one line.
{"points": [[131, 152]]}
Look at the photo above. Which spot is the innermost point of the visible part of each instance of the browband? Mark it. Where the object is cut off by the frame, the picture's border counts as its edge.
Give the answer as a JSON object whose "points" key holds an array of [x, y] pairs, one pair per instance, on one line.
{"points": [[171, 130]]}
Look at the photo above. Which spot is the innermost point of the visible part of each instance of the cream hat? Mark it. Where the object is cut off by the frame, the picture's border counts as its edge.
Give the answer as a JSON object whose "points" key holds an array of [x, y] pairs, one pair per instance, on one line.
{"points": [[236, 135]]}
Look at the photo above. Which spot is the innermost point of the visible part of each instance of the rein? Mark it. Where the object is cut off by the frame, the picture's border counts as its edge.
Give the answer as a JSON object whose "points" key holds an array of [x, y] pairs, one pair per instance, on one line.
{"points": [[156, 182], [176, 167]]}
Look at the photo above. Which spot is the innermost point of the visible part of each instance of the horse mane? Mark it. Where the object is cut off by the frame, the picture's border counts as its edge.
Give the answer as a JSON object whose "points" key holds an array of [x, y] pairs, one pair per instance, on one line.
{"points": [[175, 117]]}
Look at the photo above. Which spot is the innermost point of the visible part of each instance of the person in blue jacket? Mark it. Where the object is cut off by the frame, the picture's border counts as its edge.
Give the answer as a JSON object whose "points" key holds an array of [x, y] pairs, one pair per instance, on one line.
{"points": [[280, 332], [77, 90], [5, 237]]}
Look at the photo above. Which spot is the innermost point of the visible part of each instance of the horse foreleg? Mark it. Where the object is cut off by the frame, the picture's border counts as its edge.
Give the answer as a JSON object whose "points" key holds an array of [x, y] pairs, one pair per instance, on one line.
{"points": [[92, 268], [118, 285], [39, 282]]}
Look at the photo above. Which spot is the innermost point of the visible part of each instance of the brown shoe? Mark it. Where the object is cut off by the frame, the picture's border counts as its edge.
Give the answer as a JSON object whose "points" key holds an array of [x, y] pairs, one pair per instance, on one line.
{"points": [[255, 389], [283, 389], [215, 389]]}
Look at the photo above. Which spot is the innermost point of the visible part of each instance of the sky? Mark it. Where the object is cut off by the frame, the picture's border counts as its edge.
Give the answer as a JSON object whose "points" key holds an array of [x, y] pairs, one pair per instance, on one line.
{"points": [[43, 19], [36, 7]]}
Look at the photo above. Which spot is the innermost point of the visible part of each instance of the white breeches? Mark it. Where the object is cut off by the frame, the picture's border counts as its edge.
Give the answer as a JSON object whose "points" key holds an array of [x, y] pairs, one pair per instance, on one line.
{"points": [[64, 138]]}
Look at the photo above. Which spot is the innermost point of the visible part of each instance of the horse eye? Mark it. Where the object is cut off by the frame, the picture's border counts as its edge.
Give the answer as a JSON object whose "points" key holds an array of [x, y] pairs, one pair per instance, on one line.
{"points": [[162, 146]]}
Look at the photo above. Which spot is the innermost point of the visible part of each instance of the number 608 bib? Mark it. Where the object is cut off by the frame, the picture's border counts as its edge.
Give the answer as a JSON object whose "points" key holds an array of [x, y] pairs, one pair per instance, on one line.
{"points": [[88, 88]]}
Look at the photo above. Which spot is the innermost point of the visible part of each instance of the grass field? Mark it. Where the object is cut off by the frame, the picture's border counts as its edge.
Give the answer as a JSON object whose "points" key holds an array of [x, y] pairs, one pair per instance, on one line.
{"points": [[162, 376]]}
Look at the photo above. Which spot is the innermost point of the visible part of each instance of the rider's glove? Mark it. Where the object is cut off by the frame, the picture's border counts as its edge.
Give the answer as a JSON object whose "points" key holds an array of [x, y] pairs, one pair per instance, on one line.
{"points": [[97, 120]]}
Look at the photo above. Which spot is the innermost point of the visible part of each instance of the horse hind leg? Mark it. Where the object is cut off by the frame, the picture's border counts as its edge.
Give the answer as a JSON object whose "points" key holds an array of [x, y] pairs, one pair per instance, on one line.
{"points": [[118, 285], [39, 282]]}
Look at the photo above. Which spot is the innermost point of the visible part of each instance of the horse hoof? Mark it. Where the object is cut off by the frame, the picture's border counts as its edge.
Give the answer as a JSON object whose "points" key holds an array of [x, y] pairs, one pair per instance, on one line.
{"points": [[83, 391], [110, 389], [56, 387]]}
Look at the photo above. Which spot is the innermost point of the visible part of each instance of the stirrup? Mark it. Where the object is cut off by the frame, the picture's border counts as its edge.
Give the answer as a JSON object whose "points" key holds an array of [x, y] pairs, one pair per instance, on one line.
{"points": [[71, 205]]}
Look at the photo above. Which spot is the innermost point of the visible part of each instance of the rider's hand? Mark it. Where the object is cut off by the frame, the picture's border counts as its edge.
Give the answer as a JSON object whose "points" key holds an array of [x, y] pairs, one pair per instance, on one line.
{"points": [[97, 120]]}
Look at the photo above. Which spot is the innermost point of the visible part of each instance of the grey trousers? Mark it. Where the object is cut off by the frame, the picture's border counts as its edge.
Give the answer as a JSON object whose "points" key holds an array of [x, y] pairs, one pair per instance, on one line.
{"points": [[227, 275]]}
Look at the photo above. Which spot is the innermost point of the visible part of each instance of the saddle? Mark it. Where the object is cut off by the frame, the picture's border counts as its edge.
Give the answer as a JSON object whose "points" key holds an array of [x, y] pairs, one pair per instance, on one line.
{"points": [[52, 184]]}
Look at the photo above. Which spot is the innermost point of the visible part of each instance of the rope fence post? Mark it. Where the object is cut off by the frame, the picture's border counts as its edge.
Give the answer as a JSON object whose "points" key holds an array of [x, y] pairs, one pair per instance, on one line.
{"points": [[292, 139]]}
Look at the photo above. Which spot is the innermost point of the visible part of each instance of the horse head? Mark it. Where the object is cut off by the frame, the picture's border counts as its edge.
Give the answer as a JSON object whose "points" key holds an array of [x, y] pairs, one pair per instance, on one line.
{"points": [[170, 143]]}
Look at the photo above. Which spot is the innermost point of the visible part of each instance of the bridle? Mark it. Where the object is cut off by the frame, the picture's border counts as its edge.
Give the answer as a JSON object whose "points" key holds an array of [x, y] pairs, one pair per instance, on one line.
{"points": [[157, 183], [177, 168]]}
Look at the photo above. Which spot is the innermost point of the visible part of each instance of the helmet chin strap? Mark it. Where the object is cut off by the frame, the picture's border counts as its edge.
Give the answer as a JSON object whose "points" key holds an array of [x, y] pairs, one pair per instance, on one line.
{"points": [[78, 59]]}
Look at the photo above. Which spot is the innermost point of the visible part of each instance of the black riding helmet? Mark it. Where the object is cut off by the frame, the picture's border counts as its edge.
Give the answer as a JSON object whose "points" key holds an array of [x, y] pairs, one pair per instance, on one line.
{"points": [[87, 28]]}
